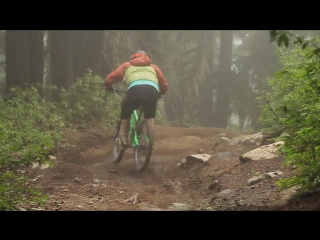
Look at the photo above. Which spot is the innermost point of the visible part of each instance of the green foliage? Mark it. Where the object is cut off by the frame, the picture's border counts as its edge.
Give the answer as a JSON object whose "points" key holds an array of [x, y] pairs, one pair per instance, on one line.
{"points": [[280, 37], [294, 104], [25, 108], [29, 128], [87, 102], [284, 36], [159, 119]]}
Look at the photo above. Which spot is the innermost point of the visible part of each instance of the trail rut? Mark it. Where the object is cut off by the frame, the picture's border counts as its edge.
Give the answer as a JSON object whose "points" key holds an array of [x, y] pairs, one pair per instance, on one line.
{"points": [[84, 178]]}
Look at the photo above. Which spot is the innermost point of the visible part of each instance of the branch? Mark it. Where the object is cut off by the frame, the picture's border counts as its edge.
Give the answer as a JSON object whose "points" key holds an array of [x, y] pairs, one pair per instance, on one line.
{"points": [[268, 103], [306, 41], [281, 36]]}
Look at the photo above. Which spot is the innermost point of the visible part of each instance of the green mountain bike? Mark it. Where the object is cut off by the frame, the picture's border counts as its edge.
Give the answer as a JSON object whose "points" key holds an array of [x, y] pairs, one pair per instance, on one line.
{"points": [[141, 139]]}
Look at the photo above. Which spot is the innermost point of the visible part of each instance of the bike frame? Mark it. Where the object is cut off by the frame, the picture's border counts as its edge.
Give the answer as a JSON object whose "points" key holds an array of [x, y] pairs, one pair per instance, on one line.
{"points": [[135, 119], [134, 123]]}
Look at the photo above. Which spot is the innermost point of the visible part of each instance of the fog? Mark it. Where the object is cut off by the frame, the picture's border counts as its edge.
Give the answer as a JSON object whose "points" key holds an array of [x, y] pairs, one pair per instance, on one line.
{"points": [[211, 74]]}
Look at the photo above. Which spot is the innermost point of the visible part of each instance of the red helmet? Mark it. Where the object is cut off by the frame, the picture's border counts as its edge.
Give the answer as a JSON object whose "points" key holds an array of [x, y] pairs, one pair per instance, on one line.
{"points": [[139, 53]]}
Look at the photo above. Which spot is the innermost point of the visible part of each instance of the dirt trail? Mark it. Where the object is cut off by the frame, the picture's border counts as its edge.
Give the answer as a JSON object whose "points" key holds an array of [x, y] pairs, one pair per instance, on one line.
{"points": [[85, 179]]}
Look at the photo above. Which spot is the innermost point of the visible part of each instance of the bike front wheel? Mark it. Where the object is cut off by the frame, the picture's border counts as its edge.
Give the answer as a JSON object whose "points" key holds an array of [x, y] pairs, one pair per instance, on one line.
{"points": [[117, 151], [143, 152]]}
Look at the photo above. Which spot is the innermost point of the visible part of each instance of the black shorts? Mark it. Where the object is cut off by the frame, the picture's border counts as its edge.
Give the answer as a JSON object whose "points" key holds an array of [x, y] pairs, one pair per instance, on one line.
{"points": [[140, 95]]}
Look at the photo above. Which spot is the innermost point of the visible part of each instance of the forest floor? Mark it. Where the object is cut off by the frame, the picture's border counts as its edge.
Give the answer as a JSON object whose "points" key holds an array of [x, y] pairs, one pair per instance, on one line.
{"points": [[83, 177]]}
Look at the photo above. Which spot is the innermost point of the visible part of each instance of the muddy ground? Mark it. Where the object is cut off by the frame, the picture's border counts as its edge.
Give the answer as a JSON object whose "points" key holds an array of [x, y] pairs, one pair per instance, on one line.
{"points": [[83, 177]]}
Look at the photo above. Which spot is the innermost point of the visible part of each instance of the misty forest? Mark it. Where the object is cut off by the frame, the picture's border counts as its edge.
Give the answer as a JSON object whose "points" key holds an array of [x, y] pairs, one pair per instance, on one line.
{"points": [[237, 83]]}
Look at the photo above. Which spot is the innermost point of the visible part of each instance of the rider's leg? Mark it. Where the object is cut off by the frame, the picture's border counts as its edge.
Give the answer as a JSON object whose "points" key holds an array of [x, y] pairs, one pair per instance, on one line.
{"points": [[149, 116], [150, 108], [126, 111], [128, 105], [150, 124], [124, 130]]}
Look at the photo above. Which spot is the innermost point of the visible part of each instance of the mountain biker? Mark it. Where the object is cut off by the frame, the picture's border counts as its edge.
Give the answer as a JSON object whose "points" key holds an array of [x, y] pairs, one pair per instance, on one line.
{"points": [[145, 83]]}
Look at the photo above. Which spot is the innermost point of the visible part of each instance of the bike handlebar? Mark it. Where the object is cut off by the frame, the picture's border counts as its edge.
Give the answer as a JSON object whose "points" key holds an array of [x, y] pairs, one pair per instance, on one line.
{"points": [[117, 90]]}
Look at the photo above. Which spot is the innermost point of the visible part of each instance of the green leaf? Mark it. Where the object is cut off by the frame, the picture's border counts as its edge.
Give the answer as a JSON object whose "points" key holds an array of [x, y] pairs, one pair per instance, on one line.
{"points": [[279, 42], [316, 51], [285, 109], [273, 34], [285, 40], [304, 45]]}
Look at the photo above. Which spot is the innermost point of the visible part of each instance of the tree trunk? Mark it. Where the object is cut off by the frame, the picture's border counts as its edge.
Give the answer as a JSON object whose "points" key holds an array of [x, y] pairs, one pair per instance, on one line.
{"points": [[93, 50], [206, 103], [70, 76], [47, 91], [169, 108], [72, 53], [173, 109], [60, 60], [79, 61], [17, 58], [36, 61], [88, 47], [2, 63], [224, 76]]}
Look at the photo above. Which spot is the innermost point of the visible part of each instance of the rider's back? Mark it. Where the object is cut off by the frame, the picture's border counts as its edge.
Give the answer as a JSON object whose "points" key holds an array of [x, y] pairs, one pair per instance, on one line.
{"points": [[138, 71]]}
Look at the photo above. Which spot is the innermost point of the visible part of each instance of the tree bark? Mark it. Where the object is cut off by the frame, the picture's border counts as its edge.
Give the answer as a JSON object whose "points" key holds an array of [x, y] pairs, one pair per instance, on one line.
{"points": [[224, 76], [60, 60], [79, 61], [47, 91], [36, 58], [206, 103], [88, 47], [169, 108], [17, 59], [93, 50]]}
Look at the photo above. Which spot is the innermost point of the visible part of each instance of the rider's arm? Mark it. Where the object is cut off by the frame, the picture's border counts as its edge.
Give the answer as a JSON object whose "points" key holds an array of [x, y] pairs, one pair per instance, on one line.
{"points": [[163, 85], [115, 76]]}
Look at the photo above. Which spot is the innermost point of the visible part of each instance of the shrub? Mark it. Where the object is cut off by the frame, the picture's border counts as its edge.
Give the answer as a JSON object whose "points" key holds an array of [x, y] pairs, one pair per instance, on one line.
{"points": [[87, 102], [28, 129], [294, 105]]}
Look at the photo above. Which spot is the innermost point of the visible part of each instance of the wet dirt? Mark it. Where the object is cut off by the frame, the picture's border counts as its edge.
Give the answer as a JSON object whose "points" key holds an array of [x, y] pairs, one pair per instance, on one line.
{"points": [[84, 178]]}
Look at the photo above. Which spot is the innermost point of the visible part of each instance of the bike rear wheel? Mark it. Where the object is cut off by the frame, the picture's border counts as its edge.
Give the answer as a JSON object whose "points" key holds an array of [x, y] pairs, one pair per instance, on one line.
{"points": [[143, 152], [117, 151]]}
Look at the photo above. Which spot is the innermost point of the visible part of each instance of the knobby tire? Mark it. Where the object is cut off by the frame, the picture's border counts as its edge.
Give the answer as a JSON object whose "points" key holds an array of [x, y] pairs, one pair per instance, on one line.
{"points": [[149, 148], [117, 151]]}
